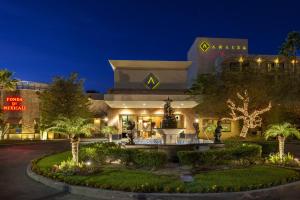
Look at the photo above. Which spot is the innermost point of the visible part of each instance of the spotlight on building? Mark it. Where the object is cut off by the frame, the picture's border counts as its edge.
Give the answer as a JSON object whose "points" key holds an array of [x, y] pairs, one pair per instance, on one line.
{"points": [[241, 59], [259, 60]]}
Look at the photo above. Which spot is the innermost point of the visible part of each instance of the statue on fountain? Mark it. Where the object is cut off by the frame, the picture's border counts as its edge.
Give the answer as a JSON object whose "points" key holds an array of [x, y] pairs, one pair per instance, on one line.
{"points": [[218, 132], [169, 120]]}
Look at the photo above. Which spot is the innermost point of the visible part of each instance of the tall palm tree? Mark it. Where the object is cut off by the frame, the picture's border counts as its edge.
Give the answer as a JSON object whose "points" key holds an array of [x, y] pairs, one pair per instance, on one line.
{"points": [[72, 128], [281, 131], [7, 83]]}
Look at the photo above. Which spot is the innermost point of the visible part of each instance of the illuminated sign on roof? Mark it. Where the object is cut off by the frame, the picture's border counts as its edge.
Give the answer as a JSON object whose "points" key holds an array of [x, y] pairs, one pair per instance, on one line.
{"points": [[14, 104], [205, 46], [151, 81]]}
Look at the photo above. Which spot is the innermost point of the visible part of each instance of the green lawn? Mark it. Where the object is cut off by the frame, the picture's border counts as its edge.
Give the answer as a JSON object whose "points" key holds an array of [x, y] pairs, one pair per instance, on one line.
{"points": [[253, 177], [145, 181]]}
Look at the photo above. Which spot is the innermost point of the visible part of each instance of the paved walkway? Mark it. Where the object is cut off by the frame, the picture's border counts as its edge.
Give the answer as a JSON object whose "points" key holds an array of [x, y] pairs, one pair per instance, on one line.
{"points": [[14, 183]]}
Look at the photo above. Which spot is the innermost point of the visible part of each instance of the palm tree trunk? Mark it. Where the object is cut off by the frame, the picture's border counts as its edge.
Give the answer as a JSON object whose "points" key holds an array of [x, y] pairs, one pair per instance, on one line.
{"points": [[75, 148], [281, 140]]}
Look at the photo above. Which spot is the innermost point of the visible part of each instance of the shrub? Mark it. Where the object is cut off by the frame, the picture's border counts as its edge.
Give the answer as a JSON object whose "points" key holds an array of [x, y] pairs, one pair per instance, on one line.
{"points": [[109, 130], [268, 147], [248, 152], [151, 159], [287, 160], [92, 154], [70, 167], [110, 152]]}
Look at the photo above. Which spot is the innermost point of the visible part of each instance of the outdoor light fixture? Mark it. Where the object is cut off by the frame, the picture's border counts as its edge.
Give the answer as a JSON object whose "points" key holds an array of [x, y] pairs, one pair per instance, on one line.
{"points": [[241, 60], [96, 121], [258, 60], [106, 119], [294, 61], [196, 120], [88, 163], [276, 61]]}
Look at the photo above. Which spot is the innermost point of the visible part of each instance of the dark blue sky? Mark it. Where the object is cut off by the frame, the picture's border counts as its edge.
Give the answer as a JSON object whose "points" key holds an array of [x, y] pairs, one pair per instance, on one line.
{"points": [[40, 39]]}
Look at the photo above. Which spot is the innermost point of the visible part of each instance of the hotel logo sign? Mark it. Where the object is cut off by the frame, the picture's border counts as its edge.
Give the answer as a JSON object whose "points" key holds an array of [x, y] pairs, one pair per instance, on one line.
{"points": [[204, 46], [151, 81]]}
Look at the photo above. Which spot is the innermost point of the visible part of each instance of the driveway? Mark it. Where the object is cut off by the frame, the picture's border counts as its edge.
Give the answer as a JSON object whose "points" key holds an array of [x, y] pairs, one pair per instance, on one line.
{"points": [[15, 184]]}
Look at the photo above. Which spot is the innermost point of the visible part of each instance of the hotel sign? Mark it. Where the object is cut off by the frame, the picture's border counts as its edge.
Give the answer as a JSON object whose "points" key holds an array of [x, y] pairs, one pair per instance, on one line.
{"points": [[205, 46], [14, 104], [151, 81]]}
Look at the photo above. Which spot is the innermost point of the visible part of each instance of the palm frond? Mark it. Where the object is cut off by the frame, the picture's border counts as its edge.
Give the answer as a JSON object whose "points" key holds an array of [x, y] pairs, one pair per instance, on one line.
{"points": [[285, 130], [73, 126]]}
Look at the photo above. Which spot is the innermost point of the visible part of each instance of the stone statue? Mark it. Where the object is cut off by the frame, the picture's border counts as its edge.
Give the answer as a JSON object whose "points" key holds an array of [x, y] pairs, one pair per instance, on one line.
{"points": [[197, 130], [218, 132], [130, 128], [169, 120]]}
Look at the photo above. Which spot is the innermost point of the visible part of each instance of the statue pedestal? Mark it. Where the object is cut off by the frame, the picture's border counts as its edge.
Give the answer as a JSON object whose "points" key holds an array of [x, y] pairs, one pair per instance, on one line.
{"points": [[170, 136]]}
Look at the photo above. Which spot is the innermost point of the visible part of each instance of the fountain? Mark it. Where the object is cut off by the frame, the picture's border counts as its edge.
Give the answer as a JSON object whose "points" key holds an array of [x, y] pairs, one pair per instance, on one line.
{"points": [[169, 131]]}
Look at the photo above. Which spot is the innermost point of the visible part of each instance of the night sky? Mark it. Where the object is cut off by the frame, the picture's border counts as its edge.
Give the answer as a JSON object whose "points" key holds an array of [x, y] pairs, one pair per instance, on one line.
{"points": [[40, 39]]}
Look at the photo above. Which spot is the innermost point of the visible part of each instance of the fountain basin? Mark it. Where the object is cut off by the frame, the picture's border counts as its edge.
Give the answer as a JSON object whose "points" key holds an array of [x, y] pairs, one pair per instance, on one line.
{"points": [[170, 135]]}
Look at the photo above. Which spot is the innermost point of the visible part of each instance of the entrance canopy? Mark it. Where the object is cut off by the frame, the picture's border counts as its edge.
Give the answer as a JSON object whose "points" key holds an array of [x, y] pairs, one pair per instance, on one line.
{"points": [[147, 101]]}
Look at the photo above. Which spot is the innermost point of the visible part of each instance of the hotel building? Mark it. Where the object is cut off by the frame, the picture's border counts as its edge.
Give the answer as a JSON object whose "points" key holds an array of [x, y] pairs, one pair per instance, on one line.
{"points": [[140, 88]]}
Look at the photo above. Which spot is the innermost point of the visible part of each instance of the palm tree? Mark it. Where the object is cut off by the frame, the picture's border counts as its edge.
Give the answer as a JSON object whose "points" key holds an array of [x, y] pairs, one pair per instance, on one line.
{"points": [[281, 131], [73, 128], [7, 83]]}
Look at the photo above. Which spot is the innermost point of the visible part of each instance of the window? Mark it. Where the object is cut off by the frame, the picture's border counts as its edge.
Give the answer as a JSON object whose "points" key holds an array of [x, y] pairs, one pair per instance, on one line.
{"points": [[226, 124]]}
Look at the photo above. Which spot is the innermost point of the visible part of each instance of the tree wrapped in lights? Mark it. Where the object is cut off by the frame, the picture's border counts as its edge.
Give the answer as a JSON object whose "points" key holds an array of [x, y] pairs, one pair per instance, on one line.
{"points": [[250, 119]]}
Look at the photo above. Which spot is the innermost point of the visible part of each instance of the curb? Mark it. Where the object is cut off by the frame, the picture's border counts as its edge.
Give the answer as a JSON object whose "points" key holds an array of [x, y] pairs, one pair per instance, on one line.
{"points": [[277, 192], [31, 142]]}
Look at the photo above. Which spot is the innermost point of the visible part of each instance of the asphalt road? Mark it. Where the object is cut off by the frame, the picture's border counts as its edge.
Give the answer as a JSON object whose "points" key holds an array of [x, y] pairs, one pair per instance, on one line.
{"points": [[15, 184]]}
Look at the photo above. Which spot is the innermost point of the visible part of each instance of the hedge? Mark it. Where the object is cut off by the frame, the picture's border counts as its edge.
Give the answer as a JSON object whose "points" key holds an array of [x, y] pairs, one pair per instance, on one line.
{"points": [[248, 152], [102, 153], [267, 146]]}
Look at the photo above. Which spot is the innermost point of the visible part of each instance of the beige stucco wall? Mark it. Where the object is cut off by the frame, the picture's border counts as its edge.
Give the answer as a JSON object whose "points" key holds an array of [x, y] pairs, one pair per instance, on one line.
{"points": [[134, 78], [114, 120], [210, 60]]}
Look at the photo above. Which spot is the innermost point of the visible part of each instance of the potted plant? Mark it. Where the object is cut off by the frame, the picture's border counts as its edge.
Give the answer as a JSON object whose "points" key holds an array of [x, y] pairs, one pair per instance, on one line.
{"points": [[111, 132]]}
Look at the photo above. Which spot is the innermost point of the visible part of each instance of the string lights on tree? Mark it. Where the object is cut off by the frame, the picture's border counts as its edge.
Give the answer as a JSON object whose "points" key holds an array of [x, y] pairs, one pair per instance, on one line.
{"points": [[250, 119]]}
